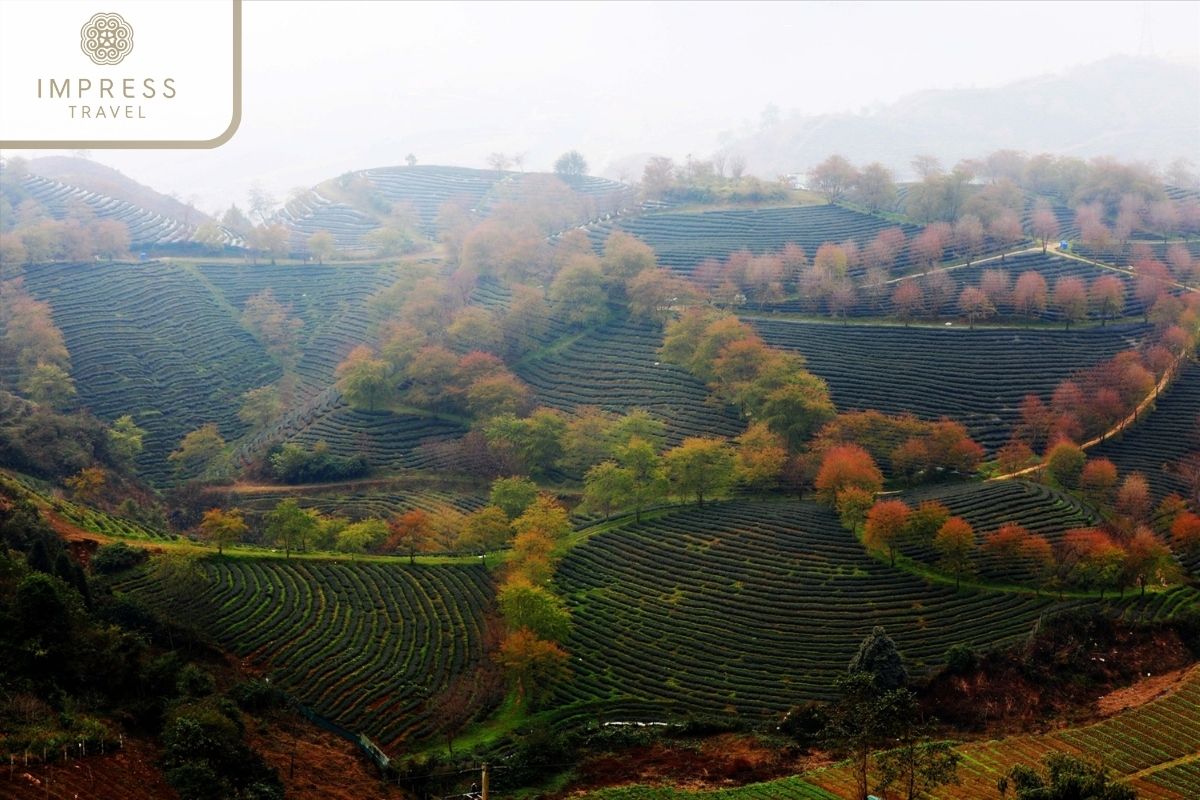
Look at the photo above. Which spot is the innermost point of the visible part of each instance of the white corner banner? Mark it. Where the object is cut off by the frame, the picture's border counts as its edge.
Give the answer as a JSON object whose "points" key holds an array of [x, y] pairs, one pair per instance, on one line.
{"points": [[119, 73]]}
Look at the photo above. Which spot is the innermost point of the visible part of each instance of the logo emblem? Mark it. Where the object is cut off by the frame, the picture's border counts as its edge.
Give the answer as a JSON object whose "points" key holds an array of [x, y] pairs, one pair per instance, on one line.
{"points": [[106, 38]]}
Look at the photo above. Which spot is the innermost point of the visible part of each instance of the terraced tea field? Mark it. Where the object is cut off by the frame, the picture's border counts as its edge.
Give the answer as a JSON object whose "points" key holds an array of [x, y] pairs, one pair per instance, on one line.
{"points": [[396, 652], [150, 340], [975, 377], [372, 500], [1164, 436], [1042, 510], [617, 367], [1154, 748], [683, 240], [331, 301], [750, 607]]}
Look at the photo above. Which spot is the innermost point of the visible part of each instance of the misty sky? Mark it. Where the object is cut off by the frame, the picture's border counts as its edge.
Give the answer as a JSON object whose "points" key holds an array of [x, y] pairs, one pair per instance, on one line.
{"points": [[334, 86]]}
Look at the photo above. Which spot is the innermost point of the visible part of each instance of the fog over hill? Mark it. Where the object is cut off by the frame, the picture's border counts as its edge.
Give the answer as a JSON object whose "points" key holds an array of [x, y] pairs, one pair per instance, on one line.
{"points": [[1131, 108]]}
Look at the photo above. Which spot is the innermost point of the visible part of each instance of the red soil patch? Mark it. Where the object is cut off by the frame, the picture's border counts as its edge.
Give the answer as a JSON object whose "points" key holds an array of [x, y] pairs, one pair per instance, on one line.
{"points": [[314, 764], [725, 760], [128, 773], [1142, 692]]}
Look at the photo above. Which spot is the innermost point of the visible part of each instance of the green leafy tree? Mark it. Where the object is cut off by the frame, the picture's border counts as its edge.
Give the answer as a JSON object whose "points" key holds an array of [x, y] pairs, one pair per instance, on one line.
{"points": [[321, 245], [917, 766], [878, 657], [364, 379], [534, 608], [200, 452], [49, 385], [291, 526], [648, 482], [125, 440], [571, 164], [700, 466], [607, 486], [485, 530], [260, 406], [1065, 778], [513, 495]]}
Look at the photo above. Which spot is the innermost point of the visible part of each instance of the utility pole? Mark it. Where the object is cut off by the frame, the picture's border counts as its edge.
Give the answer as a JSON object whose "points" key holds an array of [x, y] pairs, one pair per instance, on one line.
{"points": [[483, 783]]}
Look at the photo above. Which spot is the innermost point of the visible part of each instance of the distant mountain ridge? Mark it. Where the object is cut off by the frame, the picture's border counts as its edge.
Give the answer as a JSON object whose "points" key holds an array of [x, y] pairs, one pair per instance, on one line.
{"points": [[1134, 109]]}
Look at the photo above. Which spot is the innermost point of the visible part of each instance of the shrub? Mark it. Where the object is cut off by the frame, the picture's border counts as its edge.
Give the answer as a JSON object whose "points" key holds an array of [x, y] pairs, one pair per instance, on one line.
{"points": [[117, 557]]}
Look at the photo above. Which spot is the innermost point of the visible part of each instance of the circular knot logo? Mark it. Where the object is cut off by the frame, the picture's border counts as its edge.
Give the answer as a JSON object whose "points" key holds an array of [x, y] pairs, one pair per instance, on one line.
{"points": [[106, 38]]}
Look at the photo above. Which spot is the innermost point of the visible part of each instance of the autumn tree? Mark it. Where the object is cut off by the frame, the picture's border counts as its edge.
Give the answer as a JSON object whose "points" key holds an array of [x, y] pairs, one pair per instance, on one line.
{"points": [[87, 484], [1098, 480], [908, 300], [1030, 294], [939, 291], [607, 486], [484, 530], [974, 304], [852, 505], [1044, 223], [875, 187], [409, 531], [648, 482], [626, 256], [513, 495], [760, 456], [954, 544], [1107, 295], [654, 293], [533, 664], [925, 521], [544, 515], [1070, 296], [223, 527], [1148, 560], [844, 466], [929, 246], [968, 237], [833, 178], [885, 526], [1185, 535], [1133, 497], [700, 466]]}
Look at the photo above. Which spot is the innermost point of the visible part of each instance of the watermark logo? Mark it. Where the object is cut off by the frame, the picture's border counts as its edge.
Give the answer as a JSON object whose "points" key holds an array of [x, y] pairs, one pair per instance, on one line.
{"points": [[106, 39]]}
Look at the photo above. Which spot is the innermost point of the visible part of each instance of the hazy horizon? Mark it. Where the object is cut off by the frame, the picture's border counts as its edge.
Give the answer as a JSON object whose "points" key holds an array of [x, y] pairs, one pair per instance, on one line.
{"points": [[335, 87]]}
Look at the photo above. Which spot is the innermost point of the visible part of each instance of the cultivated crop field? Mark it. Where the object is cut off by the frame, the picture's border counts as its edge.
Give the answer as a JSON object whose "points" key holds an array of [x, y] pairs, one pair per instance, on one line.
{"points": [[381, 500], [394, 651], [975, 377], [683, 240], [150, 340], [617, 367], [386, 440], [1168, 433], [331, 301], [751, 607]]}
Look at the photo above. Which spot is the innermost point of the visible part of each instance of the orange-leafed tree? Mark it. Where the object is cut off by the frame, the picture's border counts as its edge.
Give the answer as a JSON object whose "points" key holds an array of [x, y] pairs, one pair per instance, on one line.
{"points": [[1098, 480], [533, 665], [1185, 535], [1148, 560], [1133, 498], [409, 532], [954, 543], [843, 466], [886, 524]]}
